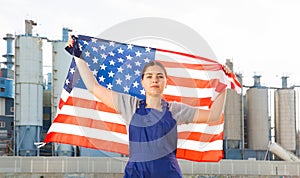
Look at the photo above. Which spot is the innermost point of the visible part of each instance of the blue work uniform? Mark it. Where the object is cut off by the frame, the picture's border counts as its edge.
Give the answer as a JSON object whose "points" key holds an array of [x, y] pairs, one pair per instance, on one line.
{"points": [[152, 144]]}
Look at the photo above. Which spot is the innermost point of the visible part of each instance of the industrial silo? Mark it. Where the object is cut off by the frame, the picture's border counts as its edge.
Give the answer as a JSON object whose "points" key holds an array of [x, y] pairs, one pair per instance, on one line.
{"points": [[258, 125], [28, 92], [61, 61], [233, 117], [285, 118]]}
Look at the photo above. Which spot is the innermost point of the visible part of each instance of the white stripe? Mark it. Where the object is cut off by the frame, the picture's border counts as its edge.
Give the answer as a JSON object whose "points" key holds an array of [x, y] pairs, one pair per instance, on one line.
{"points": [[89, 132], [91, 113], [197, 74], [64, 95], [202, 128], [200, 146], [83, 93], [171, 57], [190, 92]]}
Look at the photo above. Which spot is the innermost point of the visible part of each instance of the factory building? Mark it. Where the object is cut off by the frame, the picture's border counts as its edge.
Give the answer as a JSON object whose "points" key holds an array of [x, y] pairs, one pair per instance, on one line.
{"points": [[28, 106]]}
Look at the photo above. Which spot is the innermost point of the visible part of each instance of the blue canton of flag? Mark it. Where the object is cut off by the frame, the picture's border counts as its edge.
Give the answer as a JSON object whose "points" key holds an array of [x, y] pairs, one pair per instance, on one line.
{"points": [[115, 65]]}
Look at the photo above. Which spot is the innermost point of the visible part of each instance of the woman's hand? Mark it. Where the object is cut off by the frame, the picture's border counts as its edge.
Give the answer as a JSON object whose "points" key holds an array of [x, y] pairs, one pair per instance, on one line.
{"points": [[70, 42], [226, 70]]}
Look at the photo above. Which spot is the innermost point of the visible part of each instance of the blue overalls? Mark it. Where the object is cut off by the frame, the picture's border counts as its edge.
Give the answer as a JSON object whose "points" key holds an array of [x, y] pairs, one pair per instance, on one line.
{"points": [[153, 144]]}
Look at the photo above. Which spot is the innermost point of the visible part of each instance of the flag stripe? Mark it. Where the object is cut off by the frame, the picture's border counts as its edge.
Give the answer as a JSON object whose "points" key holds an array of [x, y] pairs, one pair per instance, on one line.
{"points": [[91, 123], [84, 141], [86, 131], [198, 136], [207, 156]]}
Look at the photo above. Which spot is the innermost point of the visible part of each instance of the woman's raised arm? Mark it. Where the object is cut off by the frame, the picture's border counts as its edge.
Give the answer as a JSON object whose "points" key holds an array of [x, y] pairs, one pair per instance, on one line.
{"points": [[105, 95]]}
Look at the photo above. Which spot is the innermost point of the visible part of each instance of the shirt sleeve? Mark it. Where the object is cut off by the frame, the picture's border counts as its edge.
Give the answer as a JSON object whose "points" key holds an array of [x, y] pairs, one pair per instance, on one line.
{"points": [[182, 113], [126, 106]]}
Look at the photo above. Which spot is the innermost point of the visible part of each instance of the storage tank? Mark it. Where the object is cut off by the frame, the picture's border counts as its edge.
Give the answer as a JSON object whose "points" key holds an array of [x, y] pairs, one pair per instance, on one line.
{"points": [[61, 61], [297, 88], [233, 116], [258, 125], [28, 94], [285, 118]]}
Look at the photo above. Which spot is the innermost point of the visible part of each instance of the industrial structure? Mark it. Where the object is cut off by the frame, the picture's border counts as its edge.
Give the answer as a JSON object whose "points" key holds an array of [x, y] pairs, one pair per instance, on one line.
{"points": [[27, 107]]}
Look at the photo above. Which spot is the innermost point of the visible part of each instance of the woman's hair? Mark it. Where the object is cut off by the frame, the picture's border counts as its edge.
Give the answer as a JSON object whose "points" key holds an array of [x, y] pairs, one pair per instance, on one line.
{"points": [[154, 63]]}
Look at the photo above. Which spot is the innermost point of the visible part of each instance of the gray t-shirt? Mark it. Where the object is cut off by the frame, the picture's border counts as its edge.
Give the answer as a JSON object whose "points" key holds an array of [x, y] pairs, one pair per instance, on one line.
{"points": [[128, 104]]}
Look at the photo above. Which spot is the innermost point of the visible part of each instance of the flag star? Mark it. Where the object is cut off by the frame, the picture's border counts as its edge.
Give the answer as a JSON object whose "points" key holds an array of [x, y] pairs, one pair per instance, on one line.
{"points": [[109, 86], [103, 56], [129, 66], [95, 49], [120, 69], [129, 57], [94, 40], [127, 77], [80, 47], [111, 74], [111, 53], [95, 72], [111, 43], [103, 67], [95, 60], [137, 63], [135, 84], [87, 54], [85, 42], [129, 46], [102, 47], [120, 51], [72, 70], [101, 79], [67, 82], [119, 81], [126, 89], [147, 60], [137, 72], [148, 49], [112, 63], [138, 54], [120, 60], [143, 92]]}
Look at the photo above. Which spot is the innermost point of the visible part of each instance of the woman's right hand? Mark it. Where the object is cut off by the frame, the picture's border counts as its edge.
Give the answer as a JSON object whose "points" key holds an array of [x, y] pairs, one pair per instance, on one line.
{"points": [[70, 42]]}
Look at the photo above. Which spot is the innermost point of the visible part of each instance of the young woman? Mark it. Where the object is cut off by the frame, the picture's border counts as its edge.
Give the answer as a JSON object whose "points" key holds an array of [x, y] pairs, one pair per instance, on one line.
{"points": [[152, 122]]}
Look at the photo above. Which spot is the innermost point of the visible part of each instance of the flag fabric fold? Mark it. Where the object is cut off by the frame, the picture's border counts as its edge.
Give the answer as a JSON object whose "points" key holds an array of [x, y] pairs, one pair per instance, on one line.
{"points": [[85, 121]]}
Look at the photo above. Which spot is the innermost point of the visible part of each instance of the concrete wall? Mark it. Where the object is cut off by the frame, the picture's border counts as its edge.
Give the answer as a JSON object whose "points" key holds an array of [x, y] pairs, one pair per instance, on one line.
{"points": [[91, 167]]}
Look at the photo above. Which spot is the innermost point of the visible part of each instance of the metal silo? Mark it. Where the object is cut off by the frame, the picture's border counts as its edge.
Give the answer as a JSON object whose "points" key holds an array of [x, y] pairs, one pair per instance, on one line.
{"points": [[28, 94], [285, 118], [258, 126], [233, 116], [61, 62]]}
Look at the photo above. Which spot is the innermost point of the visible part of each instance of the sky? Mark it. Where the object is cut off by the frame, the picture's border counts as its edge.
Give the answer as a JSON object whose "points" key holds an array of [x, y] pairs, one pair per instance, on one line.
{"points": [[261, 37]]}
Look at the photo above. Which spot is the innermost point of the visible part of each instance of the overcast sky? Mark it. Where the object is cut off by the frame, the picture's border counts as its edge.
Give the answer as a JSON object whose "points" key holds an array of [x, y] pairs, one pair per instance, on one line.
{"points": [[260, 36]]}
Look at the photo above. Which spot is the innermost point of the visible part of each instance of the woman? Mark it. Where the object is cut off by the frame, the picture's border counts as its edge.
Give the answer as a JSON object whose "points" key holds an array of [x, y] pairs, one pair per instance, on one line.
{"points": [[152, 122]]}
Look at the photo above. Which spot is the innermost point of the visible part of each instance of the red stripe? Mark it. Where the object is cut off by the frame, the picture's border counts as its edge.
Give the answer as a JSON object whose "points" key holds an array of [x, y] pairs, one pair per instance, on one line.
{"points": [[196, 83], [186, 55], [189, 100], [90, 104], [87, 142], [92, 123], [200, 67], [207, 156], [61, 103], [201, 137]]}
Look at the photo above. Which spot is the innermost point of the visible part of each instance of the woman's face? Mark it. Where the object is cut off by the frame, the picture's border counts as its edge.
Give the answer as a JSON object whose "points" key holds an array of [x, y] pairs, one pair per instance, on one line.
{"points": [[154, 81]]}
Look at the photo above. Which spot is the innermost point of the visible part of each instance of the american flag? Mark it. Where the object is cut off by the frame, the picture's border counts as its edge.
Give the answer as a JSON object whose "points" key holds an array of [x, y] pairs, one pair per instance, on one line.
{"points": [[85, 121]]}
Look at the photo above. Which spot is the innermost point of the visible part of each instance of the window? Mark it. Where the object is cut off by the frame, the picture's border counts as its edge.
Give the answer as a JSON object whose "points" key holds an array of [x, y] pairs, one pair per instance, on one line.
{"points": [[2, 90], [2, 124]]}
